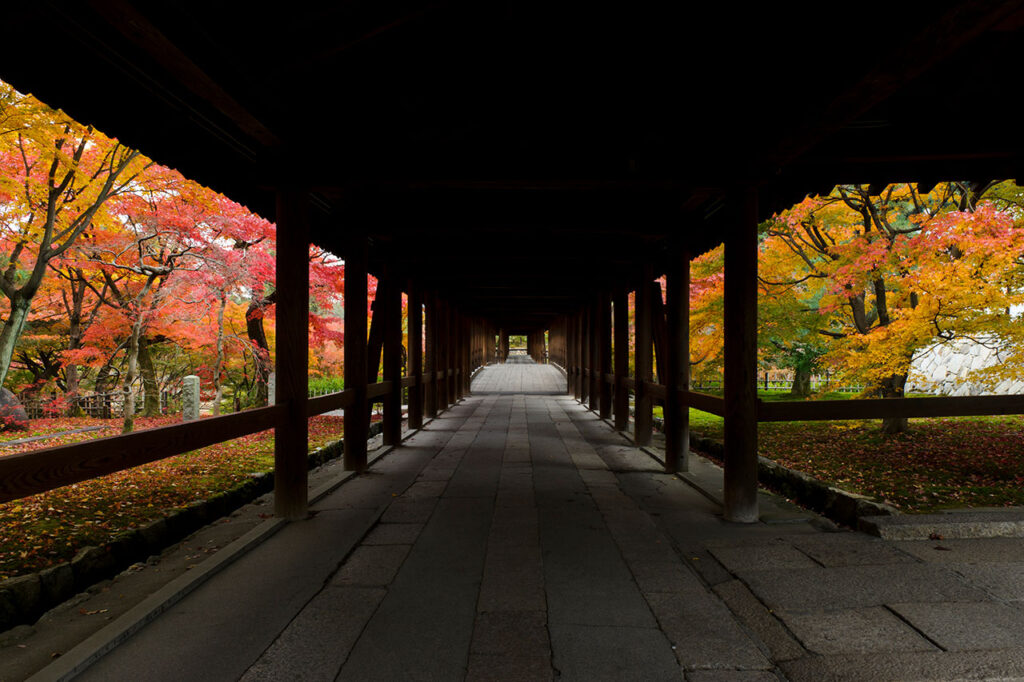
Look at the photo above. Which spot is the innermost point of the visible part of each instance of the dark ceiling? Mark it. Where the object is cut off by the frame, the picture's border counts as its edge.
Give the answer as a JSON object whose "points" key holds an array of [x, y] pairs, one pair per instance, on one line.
{"points": [[518, 156]]}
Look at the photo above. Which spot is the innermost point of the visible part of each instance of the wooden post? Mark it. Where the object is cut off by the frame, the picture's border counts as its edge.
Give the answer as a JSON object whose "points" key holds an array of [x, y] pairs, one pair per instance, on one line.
{"points": [[291, 360], [621, 304], [741, 360], [447, 355], [584, 355], [593, 356], [677, 370], [570, 357], [391, 297], [415, 352], [430, 364], [357, 416], [642, 404], [604, 344]]}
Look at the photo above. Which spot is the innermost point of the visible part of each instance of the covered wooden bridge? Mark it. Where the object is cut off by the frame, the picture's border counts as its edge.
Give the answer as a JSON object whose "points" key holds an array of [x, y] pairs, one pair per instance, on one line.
{"points": [[520, 168]]}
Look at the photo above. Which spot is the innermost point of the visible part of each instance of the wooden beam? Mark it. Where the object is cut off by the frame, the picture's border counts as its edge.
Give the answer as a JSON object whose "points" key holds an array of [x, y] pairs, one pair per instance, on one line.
{"points": [[357, 417], [642, 405], [415, 352], [330, 402], [621, 312], [430, 359], [291, 358], [880, 408], [30, 473], [741, 360], [604, 344], [593, 356], [711, 404], [677, 362], [392, 427]]}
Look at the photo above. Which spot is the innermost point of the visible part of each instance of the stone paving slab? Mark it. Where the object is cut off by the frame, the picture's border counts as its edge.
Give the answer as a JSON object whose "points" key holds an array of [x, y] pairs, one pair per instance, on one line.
{"points": [[853, 631], [1006, 664], [317, 642], [849, 549], [586, 653], [979, 550], [759, 620], [963, 627], [704, 634], [1003, 580], [849, 587]]}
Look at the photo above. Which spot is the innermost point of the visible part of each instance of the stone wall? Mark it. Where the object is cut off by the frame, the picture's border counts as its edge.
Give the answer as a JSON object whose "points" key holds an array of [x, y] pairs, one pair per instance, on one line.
{"points": [[944, 370]]}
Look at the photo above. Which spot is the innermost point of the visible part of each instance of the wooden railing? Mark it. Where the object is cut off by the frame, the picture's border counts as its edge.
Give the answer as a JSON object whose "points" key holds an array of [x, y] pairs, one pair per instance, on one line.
{"points": [[34, 472], [834, 410]]}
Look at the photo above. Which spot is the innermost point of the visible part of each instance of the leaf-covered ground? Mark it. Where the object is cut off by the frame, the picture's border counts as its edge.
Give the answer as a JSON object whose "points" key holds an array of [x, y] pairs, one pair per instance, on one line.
{"points": [[939, 463], [46, 529]]}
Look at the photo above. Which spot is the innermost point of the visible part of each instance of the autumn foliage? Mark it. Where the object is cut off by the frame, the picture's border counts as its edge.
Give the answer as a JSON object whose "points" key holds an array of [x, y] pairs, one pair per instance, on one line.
{"points": [[121, 276]]}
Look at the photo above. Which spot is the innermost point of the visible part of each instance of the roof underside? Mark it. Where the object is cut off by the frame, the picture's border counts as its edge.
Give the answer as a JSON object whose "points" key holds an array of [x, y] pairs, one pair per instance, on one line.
{"points": [[518, 156]]}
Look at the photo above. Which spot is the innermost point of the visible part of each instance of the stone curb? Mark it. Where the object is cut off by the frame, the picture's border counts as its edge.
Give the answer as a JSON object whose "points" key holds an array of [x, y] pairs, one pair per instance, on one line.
{"points": [[25, 598], [834, 503]]}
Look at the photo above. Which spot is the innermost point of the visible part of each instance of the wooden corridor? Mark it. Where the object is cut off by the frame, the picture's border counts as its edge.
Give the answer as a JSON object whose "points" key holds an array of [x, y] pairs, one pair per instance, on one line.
{"points": [[518, 537]]}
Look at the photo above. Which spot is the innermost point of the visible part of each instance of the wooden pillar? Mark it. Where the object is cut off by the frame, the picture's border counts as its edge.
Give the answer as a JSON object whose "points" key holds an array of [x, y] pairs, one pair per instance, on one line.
{"points": [[584, 355], [392, 309], [593, 356], [291, 360], [443, 339], [357, 416], [567, 364], [449, 356], [741, 360], [642, 404], [621, 304], [430, 362], [604, 344], [677, 370], [415, 352]]}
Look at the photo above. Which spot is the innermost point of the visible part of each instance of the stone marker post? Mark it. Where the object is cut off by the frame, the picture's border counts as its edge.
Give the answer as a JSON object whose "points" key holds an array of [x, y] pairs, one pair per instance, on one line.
{"points": [[272, 388], [190, 398]]}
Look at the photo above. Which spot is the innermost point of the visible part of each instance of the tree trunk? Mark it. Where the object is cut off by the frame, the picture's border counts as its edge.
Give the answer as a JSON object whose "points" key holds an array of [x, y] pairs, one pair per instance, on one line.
{"points": [[258, 337], [893, 388], [218, 366], [150, 386], [133, 363], [801, 382], [11, 333]]}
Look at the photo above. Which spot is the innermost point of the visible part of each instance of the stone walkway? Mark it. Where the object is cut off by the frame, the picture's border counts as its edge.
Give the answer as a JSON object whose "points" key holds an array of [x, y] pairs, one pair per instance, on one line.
{"points": [[518, 537]]}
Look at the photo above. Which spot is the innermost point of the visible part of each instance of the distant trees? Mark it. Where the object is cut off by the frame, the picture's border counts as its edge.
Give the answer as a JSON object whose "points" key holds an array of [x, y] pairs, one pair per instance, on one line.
{"points": [[862, 280], [120, 273]]}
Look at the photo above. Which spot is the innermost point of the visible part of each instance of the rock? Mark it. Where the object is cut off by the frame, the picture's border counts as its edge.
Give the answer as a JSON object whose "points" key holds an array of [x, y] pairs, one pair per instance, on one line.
{"points": [[155, 535], [57, 583], [91, 565], [12, 413], [25, 592]]}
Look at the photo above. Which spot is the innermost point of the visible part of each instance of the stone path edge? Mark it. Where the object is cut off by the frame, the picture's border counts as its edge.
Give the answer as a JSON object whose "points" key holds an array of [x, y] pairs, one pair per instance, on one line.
{"points": [[93, 564], [834, 503], [78, 659]]}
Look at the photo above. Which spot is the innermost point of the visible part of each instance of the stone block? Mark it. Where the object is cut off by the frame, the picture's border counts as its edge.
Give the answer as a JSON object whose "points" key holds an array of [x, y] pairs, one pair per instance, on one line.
{"points": [[872, 629], [57, 583], [964, 627], [25, 595], [91, 565]]}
